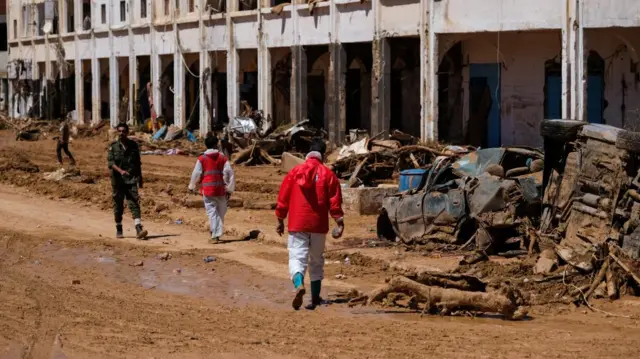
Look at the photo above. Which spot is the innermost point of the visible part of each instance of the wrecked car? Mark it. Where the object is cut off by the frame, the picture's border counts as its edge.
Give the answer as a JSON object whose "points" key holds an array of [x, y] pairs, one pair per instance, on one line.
{"points": [[482, 198], [592, 186]]}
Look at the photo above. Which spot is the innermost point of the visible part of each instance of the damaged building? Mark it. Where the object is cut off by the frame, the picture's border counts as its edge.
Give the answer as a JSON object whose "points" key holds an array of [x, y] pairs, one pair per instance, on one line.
{"points": [[481, 73]]}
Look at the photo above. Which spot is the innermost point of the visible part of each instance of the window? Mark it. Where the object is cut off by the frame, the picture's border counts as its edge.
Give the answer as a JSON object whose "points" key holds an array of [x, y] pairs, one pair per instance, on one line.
{"points": [[15, 29], [3, 36], [143, 9], [192, 6], [167, 10], [123, 11], [103, 12]]}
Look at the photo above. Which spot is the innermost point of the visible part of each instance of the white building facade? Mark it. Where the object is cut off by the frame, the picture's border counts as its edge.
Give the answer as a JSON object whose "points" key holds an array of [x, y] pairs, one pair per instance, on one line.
{"points": [[464, 71]]}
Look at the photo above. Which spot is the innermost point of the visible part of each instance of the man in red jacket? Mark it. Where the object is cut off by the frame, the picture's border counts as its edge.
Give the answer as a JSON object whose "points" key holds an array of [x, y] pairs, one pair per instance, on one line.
{"points": [[309, 194]]}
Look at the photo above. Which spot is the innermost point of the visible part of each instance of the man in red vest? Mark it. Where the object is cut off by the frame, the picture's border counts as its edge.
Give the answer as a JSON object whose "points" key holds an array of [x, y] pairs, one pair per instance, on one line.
{"points": [[309, 194], [217, 182]]}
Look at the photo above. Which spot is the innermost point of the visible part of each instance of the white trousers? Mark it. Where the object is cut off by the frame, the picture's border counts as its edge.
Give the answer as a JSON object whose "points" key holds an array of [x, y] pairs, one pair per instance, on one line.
{"points": [[306, 248], [216, 209]]}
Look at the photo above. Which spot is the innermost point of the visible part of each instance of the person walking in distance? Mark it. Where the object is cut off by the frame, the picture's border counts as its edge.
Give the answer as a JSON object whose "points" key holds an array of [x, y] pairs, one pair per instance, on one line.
{"points": [[63, 143], [309, 193], [215, 175], [123, 158]]}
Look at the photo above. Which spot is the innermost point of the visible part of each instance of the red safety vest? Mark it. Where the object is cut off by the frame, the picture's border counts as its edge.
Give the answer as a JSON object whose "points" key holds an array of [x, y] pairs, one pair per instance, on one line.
{"points": [[212, 184]]}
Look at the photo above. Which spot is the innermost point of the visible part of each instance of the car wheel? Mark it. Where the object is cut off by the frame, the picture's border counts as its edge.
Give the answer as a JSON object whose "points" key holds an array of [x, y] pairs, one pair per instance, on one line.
{"points": [[629, 141], [561, 130], [384, 228]]}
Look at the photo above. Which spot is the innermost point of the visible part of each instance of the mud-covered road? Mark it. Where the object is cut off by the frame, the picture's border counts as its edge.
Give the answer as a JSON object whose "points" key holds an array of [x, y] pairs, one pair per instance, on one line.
{"points": [[62, 276], [70, 290]]}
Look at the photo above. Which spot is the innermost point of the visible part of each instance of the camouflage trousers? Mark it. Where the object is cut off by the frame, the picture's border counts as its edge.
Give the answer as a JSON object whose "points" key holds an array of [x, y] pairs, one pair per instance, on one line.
{"points": [[119, 193]]}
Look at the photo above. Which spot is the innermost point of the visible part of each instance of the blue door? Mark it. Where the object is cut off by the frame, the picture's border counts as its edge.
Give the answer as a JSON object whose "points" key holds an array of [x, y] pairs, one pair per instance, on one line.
{"points": [[481, 77], [595, 98], [553, 96]]}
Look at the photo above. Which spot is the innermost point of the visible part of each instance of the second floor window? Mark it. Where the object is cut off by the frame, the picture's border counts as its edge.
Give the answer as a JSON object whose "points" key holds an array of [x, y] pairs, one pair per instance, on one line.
{"points": [[123, 11], [143, 9], [103, 13]]}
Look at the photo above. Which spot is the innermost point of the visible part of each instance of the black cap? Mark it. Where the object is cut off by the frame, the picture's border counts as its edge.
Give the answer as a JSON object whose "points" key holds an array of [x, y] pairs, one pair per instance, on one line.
{"points": [[318, 145]]}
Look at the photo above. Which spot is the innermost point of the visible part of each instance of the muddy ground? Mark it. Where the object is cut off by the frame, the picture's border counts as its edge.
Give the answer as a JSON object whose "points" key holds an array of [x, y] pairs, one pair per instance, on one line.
{"points": [[62, 275]]}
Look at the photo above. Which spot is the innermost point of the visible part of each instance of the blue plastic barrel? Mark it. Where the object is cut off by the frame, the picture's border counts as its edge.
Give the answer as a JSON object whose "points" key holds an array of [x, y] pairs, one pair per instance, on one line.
{"points": [[410, 179]]}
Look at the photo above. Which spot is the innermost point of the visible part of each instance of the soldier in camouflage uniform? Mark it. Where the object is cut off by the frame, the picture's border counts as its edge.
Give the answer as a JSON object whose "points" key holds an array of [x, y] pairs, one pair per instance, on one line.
{"points": [[123, 158]]}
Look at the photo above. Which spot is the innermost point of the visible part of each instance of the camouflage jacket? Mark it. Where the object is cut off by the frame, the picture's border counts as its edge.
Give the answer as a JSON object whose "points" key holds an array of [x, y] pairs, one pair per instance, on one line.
{"points": [[127, 159]]}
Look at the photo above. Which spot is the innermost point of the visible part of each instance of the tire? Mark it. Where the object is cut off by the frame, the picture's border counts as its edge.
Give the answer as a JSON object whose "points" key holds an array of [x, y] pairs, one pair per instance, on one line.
{"points": [[384, 228], [561, 130], [629, 141]]}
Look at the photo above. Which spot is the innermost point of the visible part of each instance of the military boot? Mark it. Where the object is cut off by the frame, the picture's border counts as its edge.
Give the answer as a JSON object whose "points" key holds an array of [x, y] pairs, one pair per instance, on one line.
{"points": [[316, 300], [119, 231], [140, 232]]}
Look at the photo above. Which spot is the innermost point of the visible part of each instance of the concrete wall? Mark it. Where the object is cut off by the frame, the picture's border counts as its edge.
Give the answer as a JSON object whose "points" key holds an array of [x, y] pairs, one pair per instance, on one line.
{"points": [[622, 79], [522, 78], [520, 34]]}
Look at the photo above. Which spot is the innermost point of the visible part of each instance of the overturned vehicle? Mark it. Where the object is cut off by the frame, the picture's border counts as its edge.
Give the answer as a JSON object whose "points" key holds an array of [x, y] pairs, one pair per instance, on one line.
{"points": [[591, 206], [485, 199]]}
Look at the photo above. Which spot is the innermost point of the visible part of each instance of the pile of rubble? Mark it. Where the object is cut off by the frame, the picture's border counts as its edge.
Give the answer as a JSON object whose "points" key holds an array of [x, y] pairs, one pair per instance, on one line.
{"points": [[256, 142], [371, 161], [571, 214]]}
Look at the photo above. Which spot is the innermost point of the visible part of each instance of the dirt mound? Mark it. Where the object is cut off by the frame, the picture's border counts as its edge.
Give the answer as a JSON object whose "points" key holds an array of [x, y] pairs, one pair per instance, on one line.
{"points": [[10, 160]]}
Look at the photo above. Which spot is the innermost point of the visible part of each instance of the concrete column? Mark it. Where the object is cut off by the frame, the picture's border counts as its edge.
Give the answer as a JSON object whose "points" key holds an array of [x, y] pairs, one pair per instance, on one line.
{"points": [[178, 90], [265, 93], [205, 81], [79, 90], [79, 69], [233, 64], [581, 73], [428, 76], [336, 99], [298, 84], [96, 101], [206, 107], [134, 80], [11, 104], [572, 62], [156, 70], [133, 87], [381, 87], [114, 93]]}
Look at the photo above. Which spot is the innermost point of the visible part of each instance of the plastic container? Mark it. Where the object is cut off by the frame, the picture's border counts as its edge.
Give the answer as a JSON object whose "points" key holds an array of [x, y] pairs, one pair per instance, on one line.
{"points": [[410, 179]]}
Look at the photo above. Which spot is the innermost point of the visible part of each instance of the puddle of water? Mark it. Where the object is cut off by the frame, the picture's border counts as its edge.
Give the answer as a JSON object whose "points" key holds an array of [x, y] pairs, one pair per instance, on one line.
{"points": [[226, 282]]}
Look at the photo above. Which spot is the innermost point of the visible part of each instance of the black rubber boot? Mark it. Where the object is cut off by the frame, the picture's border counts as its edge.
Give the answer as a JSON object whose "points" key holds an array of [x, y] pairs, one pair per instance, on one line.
{"points": [[119, 231], [140, 232], [316, 286]]}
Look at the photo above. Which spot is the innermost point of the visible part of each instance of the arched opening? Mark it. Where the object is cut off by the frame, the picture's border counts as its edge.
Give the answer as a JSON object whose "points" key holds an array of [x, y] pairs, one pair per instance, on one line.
{"points": [[595, 88], [192, 95], [166, 90], [281, 85], [143, 110], [553, 89], [450, 96], [316, 91], [317, 69]]}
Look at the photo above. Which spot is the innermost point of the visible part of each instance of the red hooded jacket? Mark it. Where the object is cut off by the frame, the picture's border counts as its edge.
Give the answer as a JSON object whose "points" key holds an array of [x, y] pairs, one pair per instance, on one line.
{"points": [[309, 193]]}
